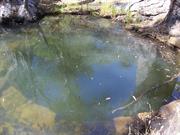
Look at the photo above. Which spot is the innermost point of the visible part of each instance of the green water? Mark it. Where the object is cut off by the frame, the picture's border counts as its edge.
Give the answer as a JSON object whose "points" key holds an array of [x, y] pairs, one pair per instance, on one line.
{"points": [[65, 76]]}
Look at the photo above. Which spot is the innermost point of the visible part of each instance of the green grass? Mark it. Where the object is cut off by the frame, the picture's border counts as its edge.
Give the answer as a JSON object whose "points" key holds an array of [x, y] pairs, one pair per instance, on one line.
{"points": [[128, 17], [108, 10]]}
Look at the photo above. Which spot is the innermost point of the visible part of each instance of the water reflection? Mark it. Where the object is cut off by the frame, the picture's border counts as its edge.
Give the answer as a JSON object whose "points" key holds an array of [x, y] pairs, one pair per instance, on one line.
{"points": [[62, 75]]}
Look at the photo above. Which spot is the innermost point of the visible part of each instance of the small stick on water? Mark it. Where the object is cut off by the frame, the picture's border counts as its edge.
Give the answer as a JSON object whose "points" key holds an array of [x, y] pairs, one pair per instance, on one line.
{"points": [[124, 107], [134, 98], [149, 90]]}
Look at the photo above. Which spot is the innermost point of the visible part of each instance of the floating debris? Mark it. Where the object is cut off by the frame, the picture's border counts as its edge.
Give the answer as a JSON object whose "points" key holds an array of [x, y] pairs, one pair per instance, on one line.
{"points": [[108, 98], [167, 69], [3, 100], [134, 98]]}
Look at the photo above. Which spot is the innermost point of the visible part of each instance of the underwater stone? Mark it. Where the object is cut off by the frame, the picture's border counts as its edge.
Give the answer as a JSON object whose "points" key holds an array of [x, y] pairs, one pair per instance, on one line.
{"points": [[25, 111], [122, 124]]}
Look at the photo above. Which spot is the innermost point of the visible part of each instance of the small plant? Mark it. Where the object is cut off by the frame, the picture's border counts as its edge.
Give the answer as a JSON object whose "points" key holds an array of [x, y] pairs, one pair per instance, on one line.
{"points": [[108, 10], [114, 11], [122, 11], [60, 8], [128, 17]]}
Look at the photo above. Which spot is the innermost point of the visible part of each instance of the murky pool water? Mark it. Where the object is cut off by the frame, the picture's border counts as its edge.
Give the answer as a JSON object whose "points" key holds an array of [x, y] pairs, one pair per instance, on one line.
{"points": [[66, 75]]}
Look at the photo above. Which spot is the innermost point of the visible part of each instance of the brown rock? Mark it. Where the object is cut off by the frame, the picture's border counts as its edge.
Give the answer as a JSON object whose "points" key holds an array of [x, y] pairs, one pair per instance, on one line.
{"points": [[145, 116], [129, 125], [122, 125]]}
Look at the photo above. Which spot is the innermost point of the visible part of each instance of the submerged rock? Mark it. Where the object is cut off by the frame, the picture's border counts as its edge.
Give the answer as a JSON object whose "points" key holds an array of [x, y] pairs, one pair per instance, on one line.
{"points": [[25, 111], [122, 123], [135, 125]]}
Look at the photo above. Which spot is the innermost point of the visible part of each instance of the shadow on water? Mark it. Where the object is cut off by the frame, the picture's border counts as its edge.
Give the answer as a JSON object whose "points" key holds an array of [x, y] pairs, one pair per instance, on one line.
{"points": [[67, 76]]}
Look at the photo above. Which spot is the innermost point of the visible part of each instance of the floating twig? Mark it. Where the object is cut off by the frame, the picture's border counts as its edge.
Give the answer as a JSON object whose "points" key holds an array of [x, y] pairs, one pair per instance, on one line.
{"points": [[149, 90]]}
